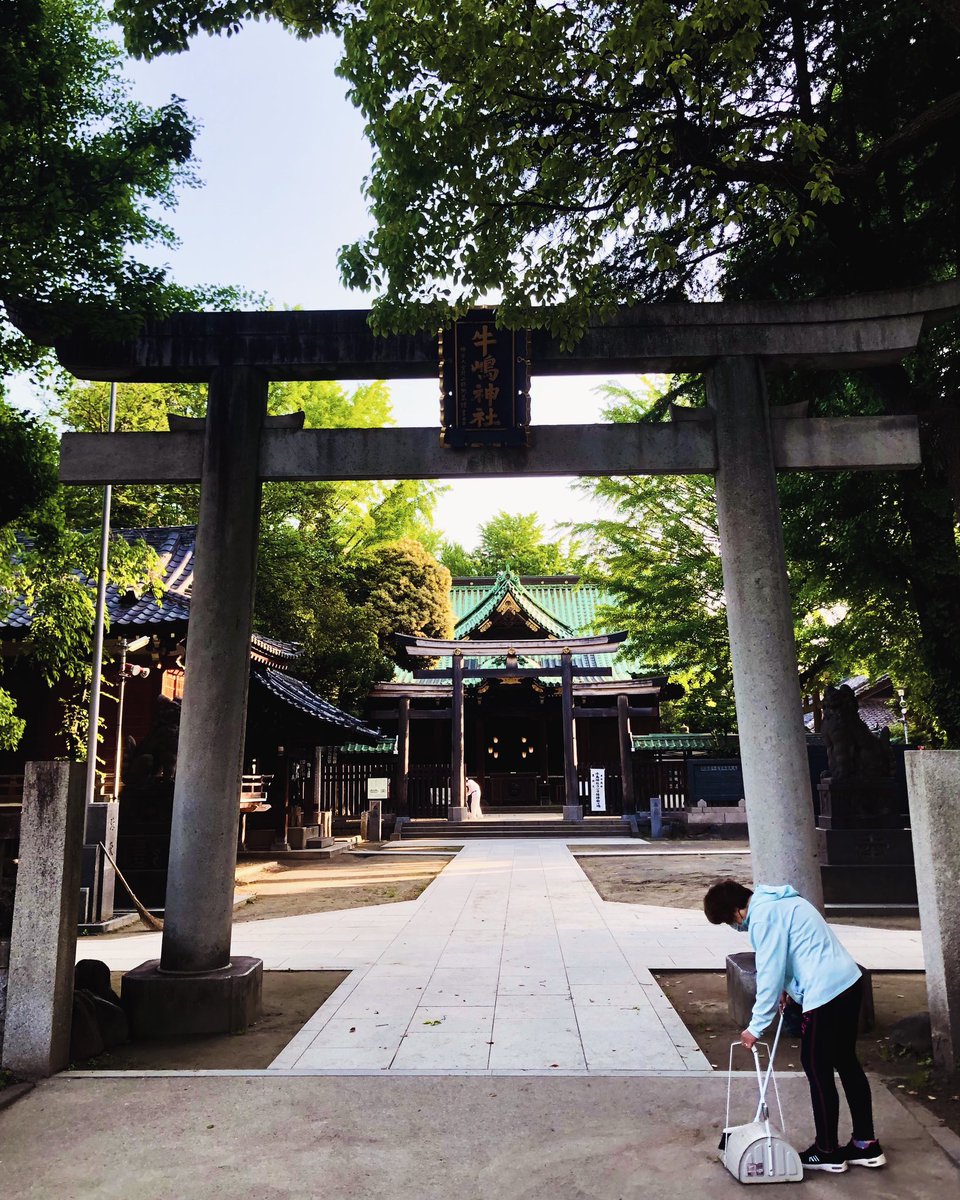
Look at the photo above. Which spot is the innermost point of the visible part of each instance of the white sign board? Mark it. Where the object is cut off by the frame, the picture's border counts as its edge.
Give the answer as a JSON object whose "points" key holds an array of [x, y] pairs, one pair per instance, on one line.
{"points": [[378, 789], [598, 789]]}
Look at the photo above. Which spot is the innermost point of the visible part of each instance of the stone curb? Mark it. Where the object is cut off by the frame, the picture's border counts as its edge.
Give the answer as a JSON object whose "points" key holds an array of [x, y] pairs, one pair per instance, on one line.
{"points": [[946, 1139], [10, 1095]]}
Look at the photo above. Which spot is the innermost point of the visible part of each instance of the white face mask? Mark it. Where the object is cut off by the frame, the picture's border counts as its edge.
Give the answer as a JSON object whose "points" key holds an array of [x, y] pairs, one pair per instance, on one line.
{"points": [[738, 926]]}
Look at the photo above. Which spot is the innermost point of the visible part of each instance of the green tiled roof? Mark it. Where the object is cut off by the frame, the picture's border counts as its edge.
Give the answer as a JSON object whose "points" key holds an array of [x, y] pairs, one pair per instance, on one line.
{"points": [[684, 741], [565, 603], [506, 582], [387, 745]]}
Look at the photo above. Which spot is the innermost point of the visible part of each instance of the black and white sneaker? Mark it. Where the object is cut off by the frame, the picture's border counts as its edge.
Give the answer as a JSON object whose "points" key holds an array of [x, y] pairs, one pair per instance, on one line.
{"points": [[869, 1156], [816, 1159]]}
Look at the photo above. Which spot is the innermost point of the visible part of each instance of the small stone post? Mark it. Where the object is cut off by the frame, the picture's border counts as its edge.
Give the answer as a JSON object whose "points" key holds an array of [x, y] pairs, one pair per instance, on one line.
{"points": [[43, 944], [933, 787], [776, 777]]}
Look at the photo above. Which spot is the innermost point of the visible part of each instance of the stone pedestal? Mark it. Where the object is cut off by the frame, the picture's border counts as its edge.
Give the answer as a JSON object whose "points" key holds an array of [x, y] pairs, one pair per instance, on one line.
{"points": [[457, 813], [159, 1004], [933, 787], [868, 866], [573, 812], [742, 992], [43, 942], [860, 804]]}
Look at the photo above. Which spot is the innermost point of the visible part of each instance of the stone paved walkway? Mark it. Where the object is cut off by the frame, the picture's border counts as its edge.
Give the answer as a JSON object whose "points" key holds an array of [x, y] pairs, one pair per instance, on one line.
{"points": [[508, 962]]}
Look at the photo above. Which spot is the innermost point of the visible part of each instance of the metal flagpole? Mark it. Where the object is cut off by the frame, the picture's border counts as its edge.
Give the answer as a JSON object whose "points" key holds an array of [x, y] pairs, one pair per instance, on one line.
{"points": [[98, 620]]}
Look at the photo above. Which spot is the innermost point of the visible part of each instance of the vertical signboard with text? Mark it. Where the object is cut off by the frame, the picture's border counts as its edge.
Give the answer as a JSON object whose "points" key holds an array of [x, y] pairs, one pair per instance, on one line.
{"points": [[598, 789], [485, 383]]}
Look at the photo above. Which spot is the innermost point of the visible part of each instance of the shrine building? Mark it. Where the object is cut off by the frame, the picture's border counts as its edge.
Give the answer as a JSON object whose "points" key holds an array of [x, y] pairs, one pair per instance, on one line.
{"points": [[517, 734]]}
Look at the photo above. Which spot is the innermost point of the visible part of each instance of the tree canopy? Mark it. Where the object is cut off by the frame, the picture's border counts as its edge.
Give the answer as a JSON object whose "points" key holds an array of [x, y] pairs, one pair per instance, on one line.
{"points": [[659, 557], [85, 174], [342, 565], [517, 541], [572, 156], [581, 154]]}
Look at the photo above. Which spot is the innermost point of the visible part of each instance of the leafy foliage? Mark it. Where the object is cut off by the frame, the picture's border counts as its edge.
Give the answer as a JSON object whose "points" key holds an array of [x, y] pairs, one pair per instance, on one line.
{"points": [[342, 566], [84, 171], [518, 541], [525, 148], [578, 155]]}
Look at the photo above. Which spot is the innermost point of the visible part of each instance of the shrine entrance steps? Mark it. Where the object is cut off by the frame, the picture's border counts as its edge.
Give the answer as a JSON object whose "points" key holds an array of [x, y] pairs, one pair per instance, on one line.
{"points": [[520, 826]]}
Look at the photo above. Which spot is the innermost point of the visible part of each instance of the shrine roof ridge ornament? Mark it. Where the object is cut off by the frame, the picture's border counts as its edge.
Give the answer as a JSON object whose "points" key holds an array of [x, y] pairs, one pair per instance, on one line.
{"points": [[860, 330]]}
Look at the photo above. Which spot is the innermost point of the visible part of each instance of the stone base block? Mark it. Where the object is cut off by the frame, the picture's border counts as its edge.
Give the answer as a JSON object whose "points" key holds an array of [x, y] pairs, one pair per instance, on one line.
{"points": [[159, 1004], [299, 836], [882, 883], [742, 992], [715, 814], [457, 815], [573, 812]]}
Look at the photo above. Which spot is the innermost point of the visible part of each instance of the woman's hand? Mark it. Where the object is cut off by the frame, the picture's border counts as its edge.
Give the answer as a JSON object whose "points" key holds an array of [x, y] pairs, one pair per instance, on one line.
{"points": [[784, 1001], [747, 1039]]}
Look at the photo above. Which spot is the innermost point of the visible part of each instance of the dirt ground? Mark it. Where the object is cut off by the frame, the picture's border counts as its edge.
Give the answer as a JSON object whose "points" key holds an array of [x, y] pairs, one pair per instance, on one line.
{"points": [[288, 889], [700, 997], [680, 880], [285, 889], [677, 874], [290, 998]]}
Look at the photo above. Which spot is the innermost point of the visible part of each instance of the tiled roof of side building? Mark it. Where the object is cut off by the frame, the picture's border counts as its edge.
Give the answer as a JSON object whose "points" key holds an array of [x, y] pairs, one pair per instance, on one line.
{"points": [[125, 609], [128, 611], [298, 695]]}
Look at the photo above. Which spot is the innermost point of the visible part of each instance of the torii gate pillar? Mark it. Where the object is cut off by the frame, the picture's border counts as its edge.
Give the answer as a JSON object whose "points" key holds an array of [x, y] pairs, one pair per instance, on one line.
{"points": [[196, 987], [776, 777]]}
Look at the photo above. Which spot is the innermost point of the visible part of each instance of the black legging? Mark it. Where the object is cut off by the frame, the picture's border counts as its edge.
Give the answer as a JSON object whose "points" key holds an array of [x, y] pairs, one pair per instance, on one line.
{"points": [[828, 1042]]}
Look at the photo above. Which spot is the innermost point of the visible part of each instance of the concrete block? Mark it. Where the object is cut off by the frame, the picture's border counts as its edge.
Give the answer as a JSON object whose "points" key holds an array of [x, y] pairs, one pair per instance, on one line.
{"points": [[573, 812], [44, 937], [742, 991], [457, 814], [160, 1004], [933, 788]]}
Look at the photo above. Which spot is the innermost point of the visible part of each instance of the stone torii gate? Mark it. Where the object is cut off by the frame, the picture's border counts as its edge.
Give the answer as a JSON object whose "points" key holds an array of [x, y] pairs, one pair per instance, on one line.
{"points": [[738, 439]]}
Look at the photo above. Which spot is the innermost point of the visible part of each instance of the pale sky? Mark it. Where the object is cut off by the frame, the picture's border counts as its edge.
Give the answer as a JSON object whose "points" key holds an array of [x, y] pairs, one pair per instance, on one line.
{"points": [[282, 155]]}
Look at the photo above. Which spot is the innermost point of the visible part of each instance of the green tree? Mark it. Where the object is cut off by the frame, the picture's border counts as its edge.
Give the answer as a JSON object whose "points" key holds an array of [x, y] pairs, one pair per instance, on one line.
{"points": [[575, 156], [660, 559], [48, 565], [84, 173], [528, 148], [518, 541]]}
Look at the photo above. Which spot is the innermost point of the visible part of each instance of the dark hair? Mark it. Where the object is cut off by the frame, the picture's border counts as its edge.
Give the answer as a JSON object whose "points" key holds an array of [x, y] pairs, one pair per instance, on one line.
{"points": [[723, 900]]}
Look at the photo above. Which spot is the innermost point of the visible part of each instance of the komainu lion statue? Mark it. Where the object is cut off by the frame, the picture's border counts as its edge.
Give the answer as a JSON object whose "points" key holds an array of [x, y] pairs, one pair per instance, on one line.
{"points": [[853, 752]]}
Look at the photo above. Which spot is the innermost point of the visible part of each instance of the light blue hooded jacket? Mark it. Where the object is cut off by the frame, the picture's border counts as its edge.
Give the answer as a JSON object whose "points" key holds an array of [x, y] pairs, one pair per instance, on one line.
{"points": [[797, 952]]}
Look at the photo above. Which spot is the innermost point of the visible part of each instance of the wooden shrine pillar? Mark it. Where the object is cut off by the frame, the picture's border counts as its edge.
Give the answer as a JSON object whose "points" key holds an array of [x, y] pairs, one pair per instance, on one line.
{"points": [[572, 808], [626, 756], [457, 807], [401, 789]]}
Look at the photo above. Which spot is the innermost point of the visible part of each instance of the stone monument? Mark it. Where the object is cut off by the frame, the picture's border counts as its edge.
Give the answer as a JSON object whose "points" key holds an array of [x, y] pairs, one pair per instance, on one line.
{"points": [[869, 856]]}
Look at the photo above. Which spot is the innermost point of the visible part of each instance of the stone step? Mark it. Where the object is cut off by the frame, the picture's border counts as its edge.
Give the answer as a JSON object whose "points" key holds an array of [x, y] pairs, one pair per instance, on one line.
{"points": [[599, 828]]}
